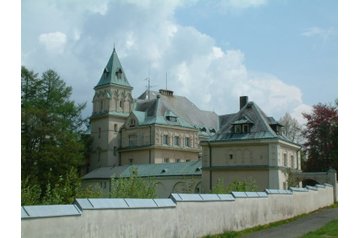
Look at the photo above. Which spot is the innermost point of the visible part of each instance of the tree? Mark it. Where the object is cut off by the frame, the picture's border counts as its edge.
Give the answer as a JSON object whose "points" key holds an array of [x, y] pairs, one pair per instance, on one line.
{"points": [[133, 187], [321, 133], [292, 128], [51, 128], [248, 185]]}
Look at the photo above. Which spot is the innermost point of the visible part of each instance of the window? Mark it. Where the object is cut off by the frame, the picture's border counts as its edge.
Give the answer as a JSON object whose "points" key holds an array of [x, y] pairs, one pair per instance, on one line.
{"points": [[177, 160], [119, 73], [237, 128], [231, 156], [132, 123], [166, 160], [176, 140], [114, 150], [130, 161], [115, 127], [99, 132], [132, 140], [292, 161], [101, 109], [285, 159], [172, 118], [187, 141], [245, 128], [165, 140]]}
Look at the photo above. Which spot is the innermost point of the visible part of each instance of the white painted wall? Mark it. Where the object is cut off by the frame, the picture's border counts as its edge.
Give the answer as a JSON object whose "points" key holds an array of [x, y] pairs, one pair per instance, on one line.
{"points": [[187, 219]]}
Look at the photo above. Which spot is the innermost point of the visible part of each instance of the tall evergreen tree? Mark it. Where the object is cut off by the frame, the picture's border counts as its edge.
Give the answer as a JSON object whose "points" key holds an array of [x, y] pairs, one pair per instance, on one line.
{"points": [[321, 133], [51, 130]]}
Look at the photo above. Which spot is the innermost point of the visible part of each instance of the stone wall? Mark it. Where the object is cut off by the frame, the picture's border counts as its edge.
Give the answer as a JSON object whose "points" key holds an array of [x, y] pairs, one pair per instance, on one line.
{"points": [[181, 215]]}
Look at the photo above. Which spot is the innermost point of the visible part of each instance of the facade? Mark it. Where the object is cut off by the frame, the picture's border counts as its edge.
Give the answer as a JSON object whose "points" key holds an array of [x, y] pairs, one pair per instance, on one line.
{"points": [[112, 104], [164, 128], [169, 177], [160, 128], [249, 145]]}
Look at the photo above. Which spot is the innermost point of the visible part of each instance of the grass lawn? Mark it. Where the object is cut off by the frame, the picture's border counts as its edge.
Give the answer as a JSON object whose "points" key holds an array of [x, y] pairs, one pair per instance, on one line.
{"points": [[330, 230]]}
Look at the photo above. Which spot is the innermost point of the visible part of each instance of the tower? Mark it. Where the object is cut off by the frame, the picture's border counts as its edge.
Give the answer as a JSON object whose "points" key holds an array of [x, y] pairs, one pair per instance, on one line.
{"points": [[112, 104]]}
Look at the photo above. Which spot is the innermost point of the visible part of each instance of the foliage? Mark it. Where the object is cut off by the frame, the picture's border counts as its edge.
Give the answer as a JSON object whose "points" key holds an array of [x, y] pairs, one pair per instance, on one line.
{"points": [[321, 133], [292, 179], [292, 128], [30, 192], [248, 185], [91, 191], [133, 187], [51, 145]]}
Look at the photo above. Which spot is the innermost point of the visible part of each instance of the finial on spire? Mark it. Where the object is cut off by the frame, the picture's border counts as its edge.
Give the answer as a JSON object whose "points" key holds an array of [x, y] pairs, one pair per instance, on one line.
{"points": [[114, 46]]}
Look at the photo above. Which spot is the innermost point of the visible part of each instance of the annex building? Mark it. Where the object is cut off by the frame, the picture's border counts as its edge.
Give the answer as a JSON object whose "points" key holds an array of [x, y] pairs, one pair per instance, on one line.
{"points": [[167, 137]]}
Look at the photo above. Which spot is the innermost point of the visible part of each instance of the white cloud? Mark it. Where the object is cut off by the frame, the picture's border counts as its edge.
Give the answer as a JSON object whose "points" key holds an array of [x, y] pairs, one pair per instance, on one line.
{"points": [[54, 41], [297, 112], [149, 42], [242, 3], [318, 32]]}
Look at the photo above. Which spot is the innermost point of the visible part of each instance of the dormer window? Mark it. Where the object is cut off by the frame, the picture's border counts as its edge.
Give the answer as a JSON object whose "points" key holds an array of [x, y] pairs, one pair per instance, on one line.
{"points": [[119, 73], [242, 126], [169, 116], [105, 72], [132, 123]]}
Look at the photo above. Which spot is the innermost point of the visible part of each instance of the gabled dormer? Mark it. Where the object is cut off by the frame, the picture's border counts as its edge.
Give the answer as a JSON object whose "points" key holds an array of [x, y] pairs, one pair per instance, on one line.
{"points": [[275, 126], [242, 125], [170, 116]]}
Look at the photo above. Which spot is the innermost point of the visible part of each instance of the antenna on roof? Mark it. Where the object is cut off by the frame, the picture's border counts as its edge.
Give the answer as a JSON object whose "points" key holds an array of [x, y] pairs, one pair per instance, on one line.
{"points": [[166, 80], [148, 87]]}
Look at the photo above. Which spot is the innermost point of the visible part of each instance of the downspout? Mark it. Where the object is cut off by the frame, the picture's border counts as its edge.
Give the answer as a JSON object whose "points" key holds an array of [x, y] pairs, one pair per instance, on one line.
{"points": [[210, 170], [150, 144]]}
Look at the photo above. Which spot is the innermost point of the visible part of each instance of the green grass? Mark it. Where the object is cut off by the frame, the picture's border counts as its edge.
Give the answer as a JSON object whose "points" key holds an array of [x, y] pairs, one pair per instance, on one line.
{"points": [[330, 230], [238, 234]]}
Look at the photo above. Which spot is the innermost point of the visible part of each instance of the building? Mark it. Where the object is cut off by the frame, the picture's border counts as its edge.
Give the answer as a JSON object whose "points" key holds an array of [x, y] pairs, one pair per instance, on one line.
{"points": [[249, 145], [112, 104], [162, 128], [169, 177]]}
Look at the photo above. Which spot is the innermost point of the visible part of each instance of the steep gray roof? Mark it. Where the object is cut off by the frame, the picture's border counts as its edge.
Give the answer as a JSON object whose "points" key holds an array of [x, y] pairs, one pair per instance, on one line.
{"points": [[250, 113], [158, 106]]}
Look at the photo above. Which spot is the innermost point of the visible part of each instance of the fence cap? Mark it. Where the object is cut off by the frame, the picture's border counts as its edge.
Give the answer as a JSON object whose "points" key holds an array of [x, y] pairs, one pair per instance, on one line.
{"points": [[49, 211]]}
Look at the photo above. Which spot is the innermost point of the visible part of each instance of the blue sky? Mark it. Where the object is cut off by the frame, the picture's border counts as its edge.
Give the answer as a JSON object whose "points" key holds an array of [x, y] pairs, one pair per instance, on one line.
{"points": [[282, 54], [295, 40]]}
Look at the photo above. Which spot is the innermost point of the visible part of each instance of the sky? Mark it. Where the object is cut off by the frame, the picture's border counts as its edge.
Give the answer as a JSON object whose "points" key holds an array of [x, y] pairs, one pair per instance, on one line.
{"points": [[282, 54]]}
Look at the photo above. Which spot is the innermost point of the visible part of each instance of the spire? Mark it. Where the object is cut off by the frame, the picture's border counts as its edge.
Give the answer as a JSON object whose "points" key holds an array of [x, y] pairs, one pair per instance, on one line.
{"points": [[113, 73]]}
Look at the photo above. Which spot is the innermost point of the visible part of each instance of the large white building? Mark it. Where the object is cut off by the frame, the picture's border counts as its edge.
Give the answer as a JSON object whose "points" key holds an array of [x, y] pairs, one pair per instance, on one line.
{"points": [[161, 127]]}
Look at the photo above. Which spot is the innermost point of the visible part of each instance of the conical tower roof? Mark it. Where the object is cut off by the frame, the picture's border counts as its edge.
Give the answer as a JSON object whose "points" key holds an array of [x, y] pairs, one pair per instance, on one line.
{"points": [[113, 73]]}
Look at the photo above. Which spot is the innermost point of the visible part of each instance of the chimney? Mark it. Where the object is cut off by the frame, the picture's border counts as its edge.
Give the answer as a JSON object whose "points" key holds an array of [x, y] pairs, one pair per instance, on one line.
{"points": [[243, 101]]}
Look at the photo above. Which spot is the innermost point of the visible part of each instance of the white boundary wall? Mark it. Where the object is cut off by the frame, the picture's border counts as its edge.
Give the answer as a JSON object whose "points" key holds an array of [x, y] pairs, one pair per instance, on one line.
{"points": [[183, 215]]}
